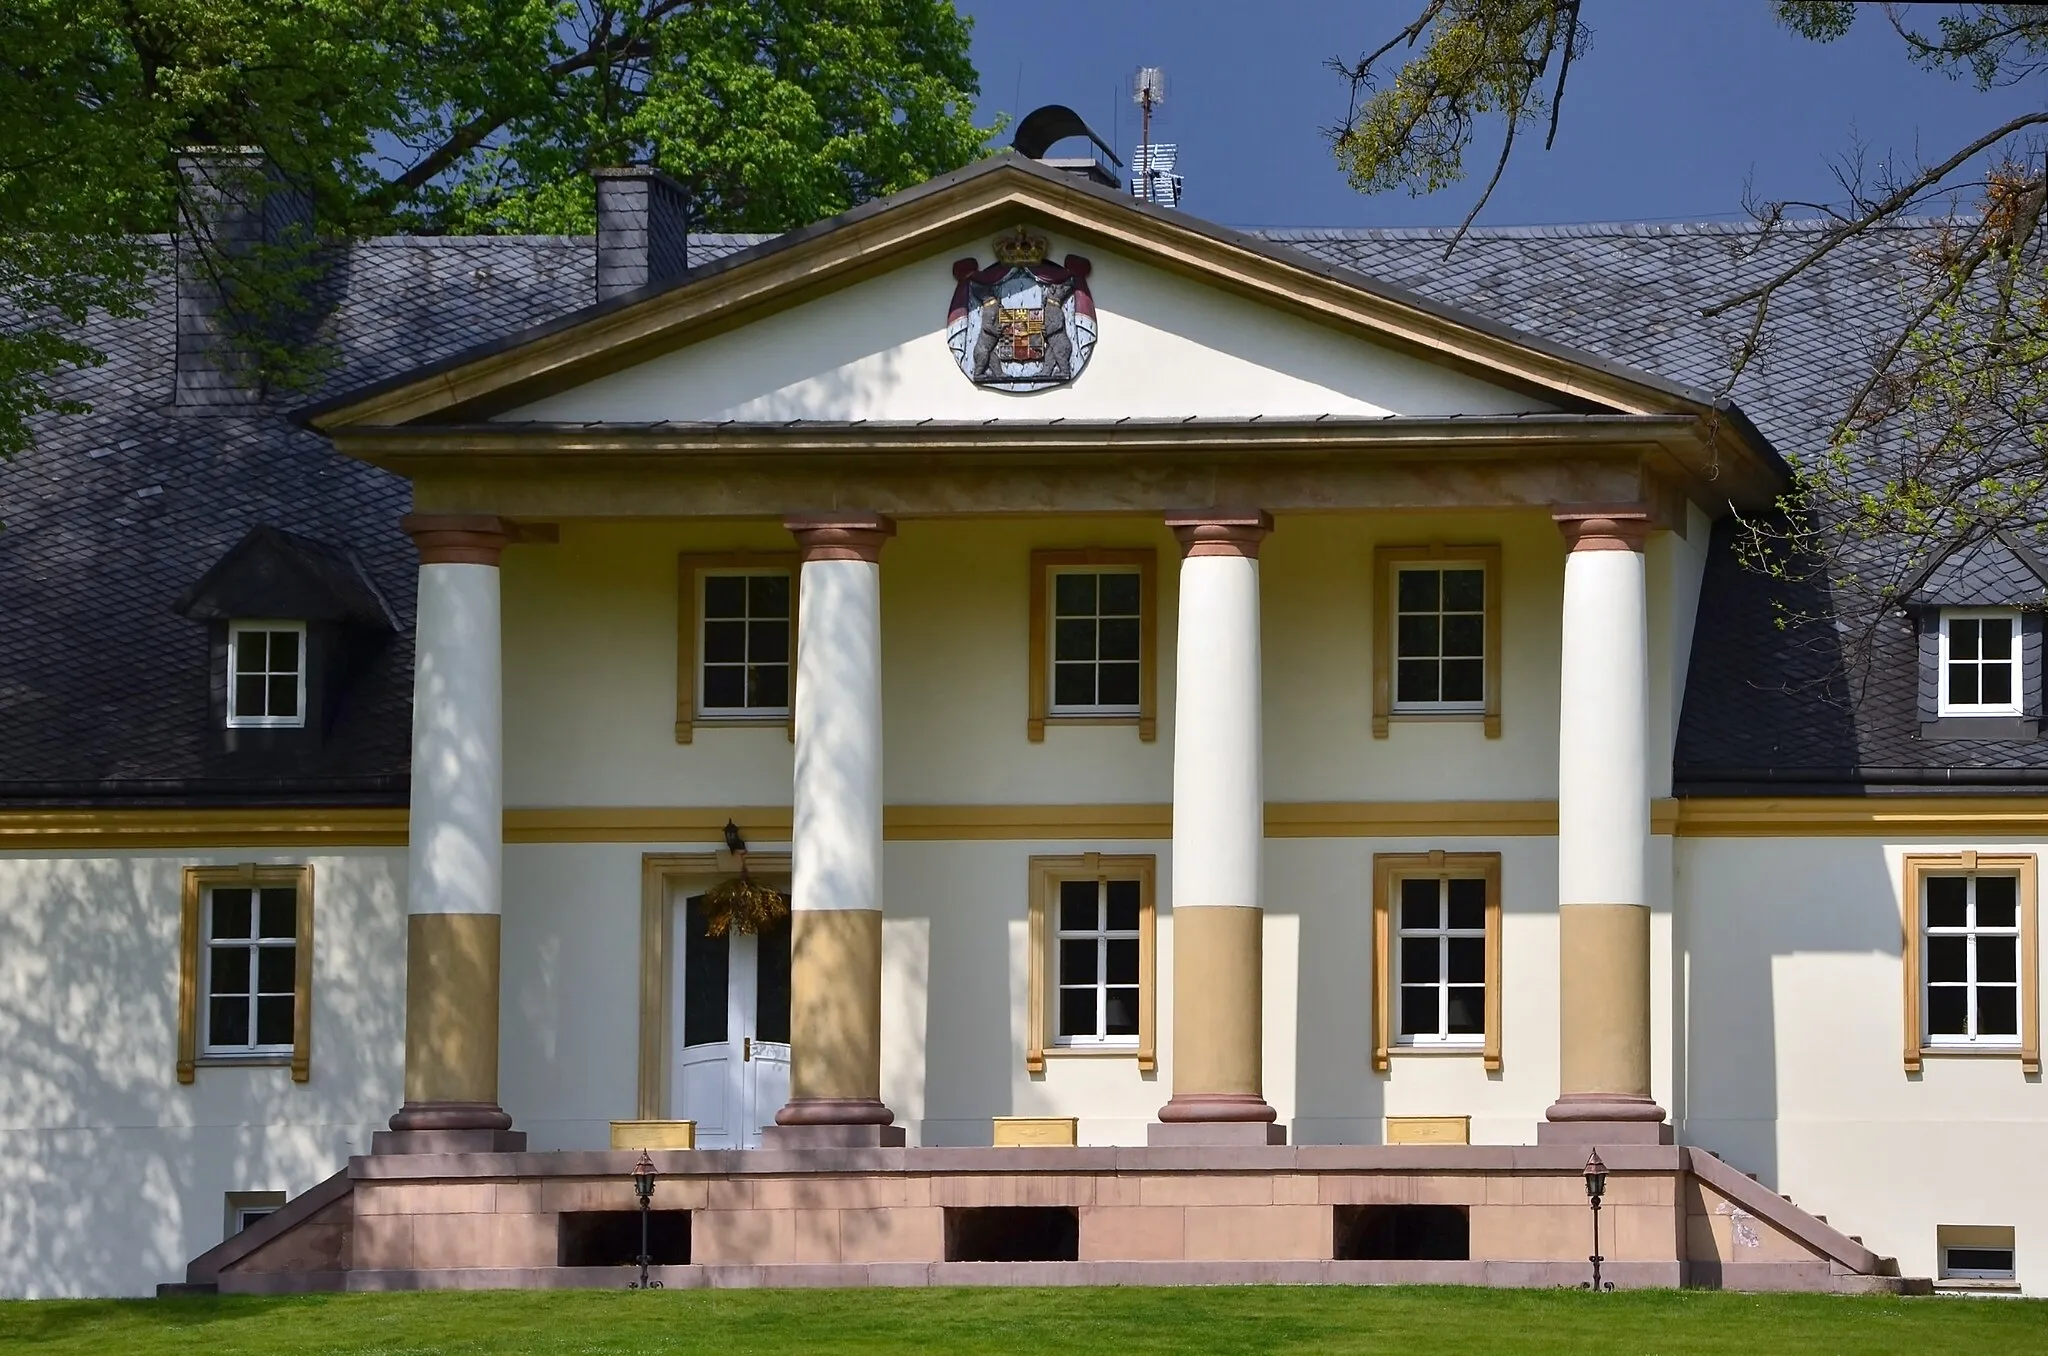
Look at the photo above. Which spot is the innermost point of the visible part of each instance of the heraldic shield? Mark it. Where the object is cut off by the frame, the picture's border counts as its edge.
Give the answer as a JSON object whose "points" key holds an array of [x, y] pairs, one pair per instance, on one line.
{"points": [[1024, 322]]}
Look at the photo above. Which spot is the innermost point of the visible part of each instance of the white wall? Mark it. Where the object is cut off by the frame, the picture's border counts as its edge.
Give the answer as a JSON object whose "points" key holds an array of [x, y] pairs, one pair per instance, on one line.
{"points": [[112, 1174], [1796, 1026], [1168, 348]]}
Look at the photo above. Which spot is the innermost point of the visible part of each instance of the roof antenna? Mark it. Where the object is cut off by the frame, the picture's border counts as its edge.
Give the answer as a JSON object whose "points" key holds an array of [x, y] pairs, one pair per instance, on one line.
{"points": [[1152, 178]]}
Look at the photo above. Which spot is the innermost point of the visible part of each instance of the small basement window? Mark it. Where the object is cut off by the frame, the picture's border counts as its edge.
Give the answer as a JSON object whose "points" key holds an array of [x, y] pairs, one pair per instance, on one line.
{"points": [[244, 1208], [611, 1238], [1013, 1233], [266, 674], [1976, 1254], [1402, 1233]]}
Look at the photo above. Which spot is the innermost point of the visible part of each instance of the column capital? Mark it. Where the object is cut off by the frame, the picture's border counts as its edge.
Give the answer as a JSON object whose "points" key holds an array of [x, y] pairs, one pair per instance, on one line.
{"points": [[458, 538], [840, 536], [1220, 531], [1614, 527]]}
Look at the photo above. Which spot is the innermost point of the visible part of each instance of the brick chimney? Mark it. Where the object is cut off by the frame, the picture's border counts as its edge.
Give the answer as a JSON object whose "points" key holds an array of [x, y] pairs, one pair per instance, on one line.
{"points": [[642, 229]]}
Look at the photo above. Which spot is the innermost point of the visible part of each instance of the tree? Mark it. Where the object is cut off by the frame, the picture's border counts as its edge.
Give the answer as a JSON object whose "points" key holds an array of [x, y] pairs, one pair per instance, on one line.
{"points": [[456, 116], [1946, 438]]}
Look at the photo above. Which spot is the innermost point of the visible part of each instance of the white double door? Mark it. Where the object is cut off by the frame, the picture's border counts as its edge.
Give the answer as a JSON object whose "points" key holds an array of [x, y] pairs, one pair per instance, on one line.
{"points": [[732, 1008]]}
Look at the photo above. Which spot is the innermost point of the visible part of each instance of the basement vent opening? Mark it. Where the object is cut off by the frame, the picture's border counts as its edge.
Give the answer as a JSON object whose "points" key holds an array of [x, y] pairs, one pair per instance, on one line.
{"points": [[611, 1238], [1013, 1233], [1403, 1233]]}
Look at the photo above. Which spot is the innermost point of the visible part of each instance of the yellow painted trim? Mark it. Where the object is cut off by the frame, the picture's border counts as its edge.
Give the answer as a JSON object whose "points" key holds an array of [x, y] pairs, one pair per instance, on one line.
{"points": [[658, 873], [1046, 875], [194, 882], [1035, 1132], [654, 1134], [1935, 818], [93, 830], [1914, 868], [691, 567], [1386, 561], [1043, 563], [1864, 816], [1429, 1130], [1389, 869]]}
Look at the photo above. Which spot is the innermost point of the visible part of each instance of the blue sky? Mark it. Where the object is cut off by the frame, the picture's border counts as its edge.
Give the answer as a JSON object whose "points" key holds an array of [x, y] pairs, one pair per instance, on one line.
{"points": [[1673, 109]]}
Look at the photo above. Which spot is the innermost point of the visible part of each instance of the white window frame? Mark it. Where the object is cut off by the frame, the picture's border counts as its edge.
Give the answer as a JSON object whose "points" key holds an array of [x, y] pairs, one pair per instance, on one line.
{"points": [[1054, 706], [210, 946], [1102, 935], [1474, 706], [712, 714], [236, 630], [1952, 1273], [2017, 705], [1442, 1038], [1972, 933]]}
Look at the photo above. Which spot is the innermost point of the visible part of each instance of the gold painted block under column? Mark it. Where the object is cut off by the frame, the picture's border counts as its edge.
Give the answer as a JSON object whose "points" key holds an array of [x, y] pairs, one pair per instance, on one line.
{"points": [[1017, 1132], [1429, 1129], [654, 1134]]}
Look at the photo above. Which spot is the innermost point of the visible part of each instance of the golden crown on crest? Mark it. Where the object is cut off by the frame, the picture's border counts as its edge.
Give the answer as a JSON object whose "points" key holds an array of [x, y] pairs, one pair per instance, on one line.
{"points": [[1020, 247]]}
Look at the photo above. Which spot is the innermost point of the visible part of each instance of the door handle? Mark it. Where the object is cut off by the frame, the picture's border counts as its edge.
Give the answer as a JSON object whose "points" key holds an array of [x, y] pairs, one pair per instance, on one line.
{"points": [[746, 1048]]}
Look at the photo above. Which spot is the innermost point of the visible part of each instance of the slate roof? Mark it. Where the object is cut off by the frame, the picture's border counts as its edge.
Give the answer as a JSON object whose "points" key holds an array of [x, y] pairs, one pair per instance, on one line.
{"points": [[116, 515]]}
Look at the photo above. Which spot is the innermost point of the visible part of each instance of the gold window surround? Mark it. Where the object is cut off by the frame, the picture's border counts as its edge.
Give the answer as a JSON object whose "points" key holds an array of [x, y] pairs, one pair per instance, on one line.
{"points": [[691, 566], [660, 873], [1043, 564], [197, 880], [1389, 869], [1915, 868], [1387, 559], [1046, 875]]}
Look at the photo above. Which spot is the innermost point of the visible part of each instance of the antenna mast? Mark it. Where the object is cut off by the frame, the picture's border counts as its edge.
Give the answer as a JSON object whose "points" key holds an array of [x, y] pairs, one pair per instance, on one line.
{"points": [[1152, 178]]}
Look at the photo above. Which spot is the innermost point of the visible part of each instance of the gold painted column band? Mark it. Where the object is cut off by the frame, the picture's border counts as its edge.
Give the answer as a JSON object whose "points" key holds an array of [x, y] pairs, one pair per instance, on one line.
{"points": [[1218, 1030], [451, 1023], [1604, 970], [835, 1018]]}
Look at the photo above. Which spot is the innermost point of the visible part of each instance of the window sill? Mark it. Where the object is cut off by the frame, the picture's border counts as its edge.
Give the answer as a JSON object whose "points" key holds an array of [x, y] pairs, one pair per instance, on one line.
{"points": [[1971, 1286], [267, 1059], [1092, 1051], [1971, 1051], [1446, 1049], [2005, 729]]}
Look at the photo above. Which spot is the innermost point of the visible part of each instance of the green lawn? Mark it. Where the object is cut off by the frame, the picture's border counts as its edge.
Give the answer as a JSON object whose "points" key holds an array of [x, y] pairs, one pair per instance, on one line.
{"points": [[1304, 1319]]}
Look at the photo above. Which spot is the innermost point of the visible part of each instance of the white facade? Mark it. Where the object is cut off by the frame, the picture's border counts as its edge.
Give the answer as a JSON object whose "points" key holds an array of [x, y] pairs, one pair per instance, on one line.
{"points": [[1775, 962]]}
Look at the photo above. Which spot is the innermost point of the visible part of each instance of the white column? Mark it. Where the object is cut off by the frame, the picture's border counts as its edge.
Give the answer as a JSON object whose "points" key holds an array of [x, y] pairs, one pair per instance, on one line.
{"points": [[1603, 837], [1218, 837], [453, 883], [836, 839]]}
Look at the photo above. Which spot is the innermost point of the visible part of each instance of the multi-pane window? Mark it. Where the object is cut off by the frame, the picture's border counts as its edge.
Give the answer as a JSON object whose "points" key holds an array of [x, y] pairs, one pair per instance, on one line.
{"points": [[1096, 947], [1096, 641], [746, 650], [1440, 958], [1980, 663], [252, 948], [1439, 638], [266, 673], [1972, 959]]}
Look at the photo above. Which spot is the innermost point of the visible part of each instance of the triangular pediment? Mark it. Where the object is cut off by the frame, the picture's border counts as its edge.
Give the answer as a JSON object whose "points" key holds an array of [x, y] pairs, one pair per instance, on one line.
{"points": [[845, 320]]}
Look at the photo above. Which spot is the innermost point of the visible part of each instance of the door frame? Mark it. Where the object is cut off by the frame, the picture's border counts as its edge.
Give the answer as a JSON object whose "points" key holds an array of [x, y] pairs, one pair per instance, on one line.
{"points": [[661, 875]]}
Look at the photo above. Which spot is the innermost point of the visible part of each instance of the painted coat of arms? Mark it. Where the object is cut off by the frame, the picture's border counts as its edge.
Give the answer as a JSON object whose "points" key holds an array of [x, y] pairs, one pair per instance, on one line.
{"points": [[1024, 322]]}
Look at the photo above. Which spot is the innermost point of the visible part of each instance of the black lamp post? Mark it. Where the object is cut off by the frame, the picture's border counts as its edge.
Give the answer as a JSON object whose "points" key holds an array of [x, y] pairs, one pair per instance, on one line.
{"points": [[643, 1187], [1596, 1187]]}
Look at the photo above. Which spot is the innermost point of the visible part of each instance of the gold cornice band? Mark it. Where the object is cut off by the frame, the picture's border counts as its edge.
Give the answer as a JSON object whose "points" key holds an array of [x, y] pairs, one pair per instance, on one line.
{"points": [[1891, 817]]}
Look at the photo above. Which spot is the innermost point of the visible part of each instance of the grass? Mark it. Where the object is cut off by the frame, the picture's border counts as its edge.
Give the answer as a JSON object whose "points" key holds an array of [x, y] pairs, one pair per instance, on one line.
{"points": [[1442, 1322]]}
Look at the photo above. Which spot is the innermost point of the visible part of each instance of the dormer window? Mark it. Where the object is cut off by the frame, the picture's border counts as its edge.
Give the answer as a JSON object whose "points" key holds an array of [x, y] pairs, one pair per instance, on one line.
{"points": [[1980, 663], [266, 674]]}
